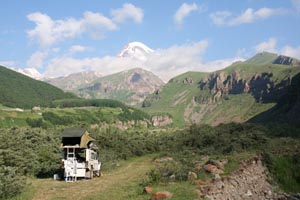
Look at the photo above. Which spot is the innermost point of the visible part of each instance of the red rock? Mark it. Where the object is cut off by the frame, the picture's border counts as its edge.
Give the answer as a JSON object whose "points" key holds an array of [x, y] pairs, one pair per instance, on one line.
{"points": [[210, 168], [148, 190], [161, 195]]}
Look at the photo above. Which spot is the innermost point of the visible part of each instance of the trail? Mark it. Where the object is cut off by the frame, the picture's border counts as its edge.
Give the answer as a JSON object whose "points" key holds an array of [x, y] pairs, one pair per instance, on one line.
{"points": [[120, 183]]}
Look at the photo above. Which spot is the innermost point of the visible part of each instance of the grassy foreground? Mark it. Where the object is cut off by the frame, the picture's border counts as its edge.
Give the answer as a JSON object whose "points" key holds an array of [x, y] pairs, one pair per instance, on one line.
{"points": [[120, 183]]}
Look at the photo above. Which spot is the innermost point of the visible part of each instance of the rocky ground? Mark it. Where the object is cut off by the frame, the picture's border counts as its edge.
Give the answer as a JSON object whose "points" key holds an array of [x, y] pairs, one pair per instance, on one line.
{"points": [[248, 182]]}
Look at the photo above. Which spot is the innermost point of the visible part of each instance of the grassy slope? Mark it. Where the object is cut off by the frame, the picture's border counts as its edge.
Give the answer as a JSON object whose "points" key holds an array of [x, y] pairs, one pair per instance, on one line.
{"points": [[18, 90], [119, 80], [121, 183], [175, 96], [86, 115], [238, 108]]}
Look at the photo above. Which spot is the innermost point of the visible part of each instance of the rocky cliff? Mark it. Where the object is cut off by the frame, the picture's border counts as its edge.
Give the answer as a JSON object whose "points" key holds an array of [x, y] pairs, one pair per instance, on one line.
{"points": [[260, 85]]}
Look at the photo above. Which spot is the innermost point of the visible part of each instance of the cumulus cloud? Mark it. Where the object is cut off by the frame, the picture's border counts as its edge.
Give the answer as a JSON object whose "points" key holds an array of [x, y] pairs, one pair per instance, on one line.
{"points": [[48, 31], [128, 11], [183, 11], [36, 60], [268, 46], [271, 46], [220, 17], [78, 48], [246, 17], [291, 51], [166, 63]]}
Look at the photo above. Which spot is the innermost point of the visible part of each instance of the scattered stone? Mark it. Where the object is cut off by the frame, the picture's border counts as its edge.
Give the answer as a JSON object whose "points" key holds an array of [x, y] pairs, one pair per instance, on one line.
{"points": [[200, 182], [220, 185], [217, 176], [36, 108], [172, 177], [209, 168], [148, 190], [213, 169], [218, 163], [248, 182], [164, 160], [249, 193], [192, 176], [161, 195]]}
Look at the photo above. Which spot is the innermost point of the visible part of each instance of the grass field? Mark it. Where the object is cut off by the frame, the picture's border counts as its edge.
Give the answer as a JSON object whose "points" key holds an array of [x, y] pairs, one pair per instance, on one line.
{"points": [[123, 182]]}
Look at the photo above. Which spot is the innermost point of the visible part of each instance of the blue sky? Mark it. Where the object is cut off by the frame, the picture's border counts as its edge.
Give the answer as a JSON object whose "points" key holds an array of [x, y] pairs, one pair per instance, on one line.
{"points": [[60, 37]]}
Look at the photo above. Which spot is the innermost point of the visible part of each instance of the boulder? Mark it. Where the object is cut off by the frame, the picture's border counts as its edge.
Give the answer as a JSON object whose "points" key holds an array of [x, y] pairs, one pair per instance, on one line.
{"points": [[213, 169], [161, 195], [192, 176], [148, 190], [218, 163]]}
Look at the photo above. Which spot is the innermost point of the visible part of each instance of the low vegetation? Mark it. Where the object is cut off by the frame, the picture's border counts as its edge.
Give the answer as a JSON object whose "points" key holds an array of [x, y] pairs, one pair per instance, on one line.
{"points": [[24, 152]]}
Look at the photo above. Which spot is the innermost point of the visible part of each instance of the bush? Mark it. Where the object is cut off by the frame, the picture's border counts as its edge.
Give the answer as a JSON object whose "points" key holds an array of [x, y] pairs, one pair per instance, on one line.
{"points": [[11, 183]]}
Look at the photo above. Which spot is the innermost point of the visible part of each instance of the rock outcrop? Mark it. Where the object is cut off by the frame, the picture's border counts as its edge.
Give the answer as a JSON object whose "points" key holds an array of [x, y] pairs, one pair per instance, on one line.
{"points": [[161, 120], [260, 85], [285, 60]]}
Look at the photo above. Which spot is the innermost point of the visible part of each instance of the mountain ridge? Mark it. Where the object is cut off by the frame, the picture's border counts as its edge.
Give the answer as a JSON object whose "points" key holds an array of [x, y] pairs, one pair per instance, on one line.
{"points": [[129, 86], [234, 94]]}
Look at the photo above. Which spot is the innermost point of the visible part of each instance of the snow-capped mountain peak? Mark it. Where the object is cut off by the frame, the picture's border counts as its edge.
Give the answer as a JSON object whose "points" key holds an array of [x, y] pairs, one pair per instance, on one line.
{"points": [[31, 72], [136, 50]]}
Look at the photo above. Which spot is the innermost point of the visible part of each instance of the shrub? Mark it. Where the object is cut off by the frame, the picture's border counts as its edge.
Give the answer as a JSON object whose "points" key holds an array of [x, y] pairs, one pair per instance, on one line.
{"points": [[11, 183]]}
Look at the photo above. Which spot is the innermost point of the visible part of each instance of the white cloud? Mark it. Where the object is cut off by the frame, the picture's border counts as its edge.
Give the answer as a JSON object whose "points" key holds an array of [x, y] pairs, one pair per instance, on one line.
{"points": [[291, 51], [220, 17], [128, 11], [220, 64], [248, 16], [166, 63], [48, 31], [271, 46], [177, 59], [183, 11], [36, 60], [78, 48], [296, 4], [268, 46]]}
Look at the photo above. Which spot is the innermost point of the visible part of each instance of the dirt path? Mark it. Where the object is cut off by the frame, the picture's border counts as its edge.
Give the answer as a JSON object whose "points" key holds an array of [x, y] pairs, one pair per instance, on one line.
{"points": [[120, 183]]}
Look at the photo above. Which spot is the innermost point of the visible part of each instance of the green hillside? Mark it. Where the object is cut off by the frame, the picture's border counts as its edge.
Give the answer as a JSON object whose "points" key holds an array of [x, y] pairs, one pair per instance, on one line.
{"points": [[75, 112], [130, 87], [234, 94], [17, 90]]}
